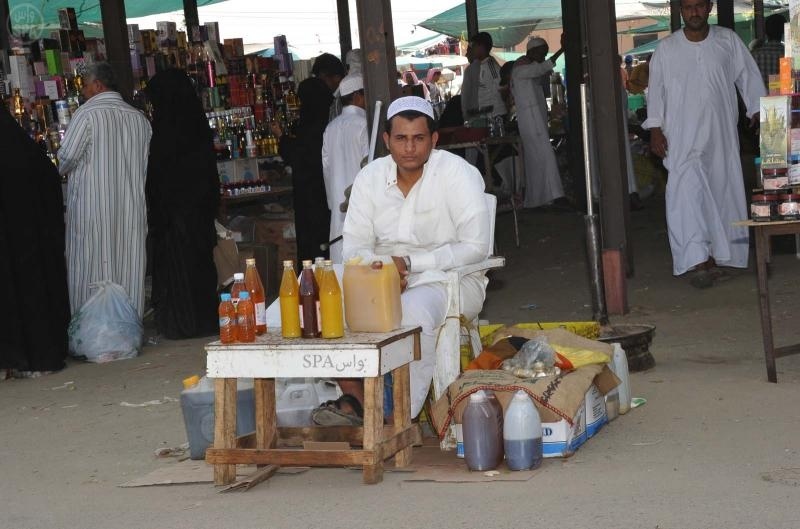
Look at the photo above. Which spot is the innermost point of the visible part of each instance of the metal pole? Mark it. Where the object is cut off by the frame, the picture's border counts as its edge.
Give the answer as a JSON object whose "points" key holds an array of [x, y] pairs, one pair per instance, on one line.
{"points": [[472, 17], [758, 18], [345, 38], [573, 58], [378, 65], [725, 14], [5, 27], [118, 54], [592, 224], [675, 15]]}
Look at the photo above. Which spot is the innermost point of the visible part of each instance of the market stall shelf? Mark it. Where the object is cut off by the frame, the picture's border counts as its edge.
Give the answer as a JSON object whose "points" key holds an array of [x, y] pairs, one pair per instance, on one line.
{"points": [[368, 356], [764, 231], [274, 193]]}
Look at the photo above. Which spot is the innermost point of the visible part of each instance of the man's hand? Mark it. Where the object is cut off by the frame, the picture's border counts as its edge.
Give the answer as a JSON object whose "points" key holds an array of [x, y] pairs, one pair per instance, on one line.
{"points": [[400, 263], [658, 142]]}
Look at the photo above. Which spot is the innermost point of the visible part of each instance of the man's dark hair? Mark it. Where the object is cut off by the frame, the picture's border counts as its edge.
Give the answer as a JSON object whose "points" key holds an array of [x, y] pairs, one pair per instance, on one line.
{"points": [[773, 27], [411, 115], [327, 64], [483, 39], [348, 99], [101, 71]]}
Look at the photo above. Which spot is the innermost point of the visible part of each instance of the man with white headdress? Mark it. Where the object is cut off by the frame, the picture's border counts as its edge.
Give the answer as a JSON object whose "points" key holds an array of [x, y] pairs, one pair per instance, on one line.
{"points": [[424, 210], [345, 145], [531, 71]]}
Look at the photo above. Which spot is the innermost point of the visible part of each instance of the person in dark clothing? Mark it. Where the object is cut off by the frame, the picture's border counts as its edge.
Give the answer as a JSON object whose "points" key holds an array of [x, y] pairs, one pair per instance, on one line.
{"points": [[34, 303], [304, 154], [182, 193]]}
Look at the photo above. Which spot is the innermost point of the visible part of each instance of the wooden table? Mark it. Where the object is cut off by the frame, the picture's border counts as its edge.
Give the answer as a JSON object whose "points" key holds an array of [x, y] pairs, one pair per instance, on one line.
{"points": [[764, 231], [358, 355]]}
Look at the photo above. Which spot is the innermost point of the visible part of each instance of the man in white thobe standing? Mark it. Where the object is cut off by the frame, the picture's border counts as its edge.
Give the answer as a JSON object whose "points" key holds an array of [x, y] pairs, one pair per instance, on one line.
{"points": [[426, 211], [692, 115], [104, 152], [542, 179], [345, 145], [481, 85]]}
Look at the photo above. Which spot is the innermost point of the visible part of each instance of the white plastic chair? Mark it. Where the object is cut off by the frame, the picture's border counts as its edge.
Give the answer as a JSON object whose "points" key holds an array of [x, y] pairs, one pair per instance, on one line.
{"points": [[448, 342]]}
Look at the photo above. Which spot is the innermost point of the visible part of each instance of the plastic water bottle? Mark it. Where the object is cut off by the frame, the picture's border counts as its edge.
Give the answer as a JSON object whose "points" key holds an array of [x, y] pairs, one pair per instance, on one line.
{"points": [[246, 318], [227, 320], [522, 433], [619, 365], [483, 433]]}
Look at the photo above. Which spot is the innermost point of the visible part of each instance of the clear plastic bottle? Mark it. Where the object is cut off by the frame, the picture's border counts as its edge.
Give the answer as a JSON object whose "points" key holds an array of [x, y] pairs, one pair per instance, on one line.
{"points": [[252, 281], [522, 433], [289, 302], [483, 433], [330, 303], [227, 320], [237, 288], [309, 302], [619, 365], [246, 318]]}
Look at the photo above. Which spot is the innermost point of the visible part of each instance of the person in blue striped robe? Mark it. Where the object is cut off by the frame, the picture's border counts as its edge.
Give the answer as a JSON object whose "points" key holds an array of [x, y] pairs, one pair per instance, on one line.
{"points": [[104, 153]]}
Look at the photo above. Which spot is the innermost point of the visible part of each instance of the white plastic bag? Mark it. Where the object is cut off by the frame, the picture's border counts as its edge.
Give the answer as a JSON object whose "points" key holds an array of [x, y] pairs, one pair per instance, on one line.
{"points": [[106, 327]]}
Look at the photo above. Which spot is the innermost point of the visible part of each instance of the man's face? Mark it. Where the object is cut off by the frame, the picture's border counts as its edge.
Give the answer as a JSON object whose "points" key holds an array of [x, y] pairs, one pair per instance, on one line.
{"points": [[91, 87], [479, 51], [538, 54], [410, 142], [695, 13]]}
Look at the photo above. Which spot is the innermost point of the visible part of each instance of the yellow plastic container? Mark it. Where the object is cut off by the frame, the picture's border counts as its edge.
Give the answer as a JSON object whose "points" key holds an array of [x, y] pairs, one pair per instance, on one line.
{"points": [[586, 329], [372, 297]]}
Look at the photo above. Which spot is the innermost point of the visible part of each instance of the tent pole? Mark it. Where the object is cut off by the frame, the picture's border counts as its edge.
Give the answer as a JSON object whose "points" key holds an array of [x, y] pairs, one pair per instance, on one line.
{"points": [[758, 16], [725, 13], [379, 68], [675, 15], [345, 39], [607, 113], [115, 34], [472, 17], [192, 19], [573, 58], [5, 27]]}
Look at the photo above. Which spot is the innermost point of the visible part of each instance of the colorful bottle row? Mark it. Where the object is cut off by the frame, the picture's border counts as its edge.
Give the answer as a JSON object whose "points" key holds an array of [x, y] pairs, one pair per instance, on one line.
{"points": [[243, 312], [312, 306]]}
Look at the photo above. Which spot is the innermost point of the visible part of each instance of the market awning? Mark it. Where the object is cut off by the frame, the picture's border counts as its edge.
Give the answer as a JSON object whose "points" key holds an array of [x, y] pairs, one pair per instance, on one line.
{"points": [[421, 44], [41, 14]]}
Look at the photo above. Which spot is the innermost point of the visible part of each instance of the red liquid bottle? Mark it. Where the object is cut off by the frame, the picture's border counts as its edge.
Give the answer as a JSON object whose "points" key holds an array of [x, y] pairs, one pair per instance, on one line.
{"points": [[309, 302]]}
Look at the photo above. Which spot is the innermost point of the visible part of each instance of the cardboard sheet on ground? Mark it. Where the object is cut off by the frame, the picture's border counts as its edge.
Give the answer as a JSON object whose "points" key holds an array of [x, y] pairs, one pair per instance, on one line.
{"points": [[431, 464], [556, 398], [190, 471]]}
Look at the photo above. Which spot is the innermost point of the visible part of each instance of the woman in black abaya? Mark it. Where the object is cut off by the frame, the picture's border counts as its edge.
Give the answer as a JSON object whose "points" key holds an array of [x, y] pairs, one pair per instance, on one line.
{"points": [[182, 198], [34, 298]]}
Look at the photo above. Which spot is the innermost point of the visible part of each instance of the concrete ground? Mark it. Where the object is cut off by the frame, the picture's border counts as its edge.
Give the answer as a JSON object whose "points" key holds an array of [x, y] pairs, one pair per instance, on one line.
{"points": [[714, 447]]}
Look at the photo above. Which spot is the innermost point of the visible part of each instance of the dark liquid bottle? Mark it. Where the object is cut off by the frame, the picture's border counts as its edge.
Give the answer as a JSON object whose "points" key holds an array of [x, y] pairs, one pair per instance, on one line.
{"points": [[309, 302]]}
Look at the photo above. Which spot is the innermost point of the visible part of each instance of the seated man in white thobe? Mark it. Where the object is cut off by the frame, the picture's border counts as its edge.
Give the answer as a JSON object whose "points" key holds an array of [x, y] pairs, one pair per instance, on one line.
{"points": [[426, 210]]}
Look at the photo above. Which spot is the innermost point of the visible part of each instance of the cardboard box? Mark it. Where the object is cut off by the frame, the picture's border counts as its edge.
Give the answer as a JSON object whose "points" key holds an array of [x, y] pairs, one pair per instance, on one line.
{"points": [[212, 31], [237, 47], [596, 416], [226, 171], [167, 34], [149, 40], [67, 19]]}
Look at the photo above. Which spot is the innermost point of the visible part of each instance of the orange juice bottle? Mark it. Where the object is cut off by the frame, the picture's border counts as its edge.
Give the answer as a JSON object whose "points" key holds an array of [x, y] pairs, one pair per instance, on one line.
{"points": [[246, 318], [319, 266], [227, 320], [252, 281], [330, 302], [290, 302]]}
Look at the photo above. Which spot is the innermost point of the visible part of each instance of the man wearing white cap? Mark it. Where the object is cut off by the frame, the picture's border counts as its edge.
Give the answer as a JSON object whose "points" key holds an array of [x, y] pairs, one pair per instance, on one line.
{"points": [[425, 210], [542, 179], [345, 144]]}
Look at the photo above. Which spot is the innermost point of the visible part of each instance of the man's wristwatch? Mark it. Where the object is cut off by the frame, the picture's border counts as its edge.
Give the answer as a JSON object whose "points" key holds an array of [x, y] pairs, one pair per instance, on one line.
{"points": [[407, 261]]}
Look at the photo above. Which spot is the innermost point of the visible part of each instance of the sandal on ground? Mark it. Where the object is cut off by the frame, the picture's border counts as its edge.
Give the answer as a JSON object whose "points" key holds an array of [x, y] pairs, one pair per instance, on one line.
{"points": [[332, 414]]}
